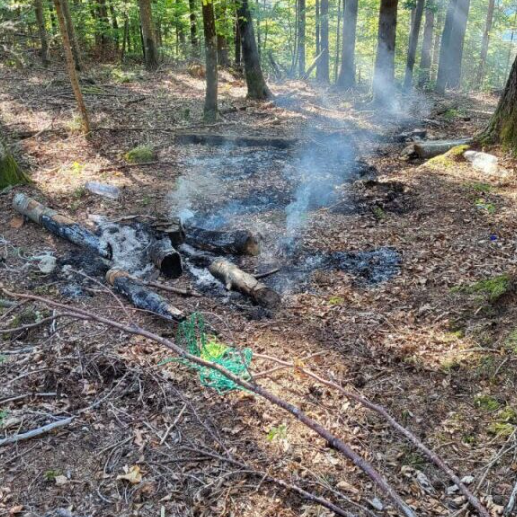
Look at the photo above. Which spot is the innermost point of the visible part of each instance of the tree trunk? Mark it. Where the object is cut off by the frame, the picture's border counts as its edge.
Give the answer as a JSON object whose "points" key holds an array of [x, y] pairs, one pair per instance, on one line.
{"points": [[484, 44], [413, 43], [71, 35], [257, 87], [301, 17], [323, 63], [53, 22], [115, 27], [42, 31], [346, 78], [436, 45], [222, 51], [193, 28], [502, 128], [71, 65], [451, 50], [317, 28], [238, 42], [150, 47], [210, 110], [10, 172], [338, 34], [104, 23], [427, 46], [384, 73]]}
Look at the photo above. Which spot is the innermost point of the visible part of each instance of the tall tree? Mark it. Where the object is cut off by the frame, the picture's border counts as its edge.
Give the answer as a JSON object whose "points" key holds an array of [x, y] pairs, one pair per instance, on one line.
{"points": [[148, 35], [384, 73], [484, 44], [210, 32], [413, 43], [322, 72], [301, 25], [42, 31], [71, 35], [193, 27], [346, 77], [257, 87], [427, 45], [71, 65], [237, 41], [503, 124], [451, 49]]}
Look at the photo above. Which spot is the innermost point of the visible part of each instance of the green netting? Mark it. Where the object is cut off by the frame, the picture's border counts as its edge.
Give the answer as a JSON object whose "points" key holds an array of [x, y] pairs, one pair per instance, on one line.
{"points": [[192, 336]]}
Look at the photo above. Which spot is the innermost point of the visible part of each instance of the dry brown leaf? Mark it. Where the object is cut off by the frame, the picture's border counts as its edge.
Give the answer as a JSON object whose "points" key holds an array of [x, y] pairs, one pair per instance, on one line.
{"points": [[17, 222], [16, 509], [132, 474]]}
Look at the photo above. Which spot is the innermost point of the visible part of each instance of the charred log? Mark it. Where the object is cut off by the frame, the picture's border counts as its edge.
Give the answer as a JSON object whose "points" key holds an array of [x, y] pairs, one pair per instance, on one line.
{"points": [[237, 280], [60, 225], [242, 141], [237, 242], [432, 148], [173, 228], [166, 258], [140, 296]]}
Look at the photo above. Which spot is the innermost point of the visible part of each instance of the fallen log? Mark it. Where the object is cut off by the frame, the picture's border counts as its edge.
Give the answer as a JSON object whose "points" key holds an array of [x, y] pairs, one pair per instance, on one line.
{"points": [[432, 148], [236, 242], [141, 297], [166, 258], [236, 140], [60, 225], [237, 280], [173, 227]]}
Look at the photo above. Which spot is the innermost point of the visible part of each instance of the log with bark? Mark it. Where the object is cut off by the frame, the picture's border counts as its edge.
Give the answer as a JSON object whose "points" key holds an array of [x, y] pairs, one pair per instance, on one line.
{"points": [[236, 140], [236, 242], [142, 297], [432, 148], [173, 227], [237, 280], [166, 258], [60, 225]]}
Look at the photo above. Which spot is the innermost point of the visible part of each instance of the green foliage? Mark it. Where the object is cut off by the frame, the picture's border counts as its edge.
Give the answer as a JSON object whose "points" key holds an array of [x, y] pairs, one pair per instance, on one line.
{"points": [[480, 188], [10, 172], [491, 288], [140, 154], [487, 403], [482, 204], [277, 433], [3, 415]]}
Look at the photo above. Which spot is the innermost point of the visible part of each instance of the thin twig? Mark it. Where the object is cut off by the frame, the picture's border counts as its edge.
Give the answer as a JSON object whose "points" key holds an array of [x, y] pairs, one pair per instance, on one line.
{"points": [[36, 432]]}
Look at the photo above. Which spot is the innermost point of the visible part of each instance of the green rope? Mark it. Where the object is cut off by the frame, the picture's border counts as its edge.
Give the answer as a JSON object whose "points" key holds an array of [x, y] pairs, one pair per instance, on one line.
{"points": [[192, 337]]}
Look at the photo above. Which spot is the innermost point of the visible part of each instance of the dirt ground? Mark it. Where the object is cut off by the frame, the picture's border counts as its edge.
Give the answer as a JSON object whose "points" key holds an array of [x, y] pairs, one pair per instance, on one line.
{"points": [[436, 344]]}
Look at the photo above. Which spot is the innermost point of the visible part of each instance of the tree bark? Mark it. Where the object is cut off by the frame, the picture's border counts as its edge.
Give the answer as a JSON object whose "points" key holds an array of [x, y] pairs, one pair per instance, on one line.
{"points": [[193, 28], [301, 22], [323, 64], [71, 35], [222, 51], [384, 73], [338, 34], [238, 42], [148, 34], [444, 66], [210, 110], [257, 87], [502, 128], [346, 78], [484, 44], [427, 46], [413, 43], [72, 66], [42, 31]]}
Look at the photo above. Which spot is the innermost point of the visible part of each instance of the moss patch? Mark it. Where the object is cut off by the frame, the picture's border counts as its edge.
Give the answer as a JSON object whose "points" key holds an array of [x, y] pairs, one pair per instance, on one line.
{"points": [[448, 159], [487, 403], [492, 288], [140, 154], [10, 172]]}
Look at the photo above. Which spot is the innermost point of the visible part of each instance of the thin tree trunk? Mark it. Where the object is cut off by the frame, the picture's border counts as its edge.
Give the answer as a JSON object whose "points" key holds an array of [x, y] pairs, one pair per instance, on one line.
{"points": [[53, 22], [301, 22], [125, 38], [436, 44], [427, 45], [210, 110], [193, 28], [413, 43], [338, 34], [104, 22], [257, 87], [238, 42], [457, 42], [384, 73], [71, 65], [71, 35], [114, 25], [484, 44], [317, 28], [222, 51], [259, 34], [346, 78], [149, 38], [42, 31], [323, 63]]}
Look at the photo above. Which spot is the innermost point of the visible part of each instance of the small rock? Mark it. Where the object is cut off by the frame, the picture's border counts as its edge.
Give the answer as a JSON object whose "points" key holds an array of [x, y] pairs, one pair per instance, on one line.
{"points": [[47, 264], [484, 162], [467, 480], [377, 504]]}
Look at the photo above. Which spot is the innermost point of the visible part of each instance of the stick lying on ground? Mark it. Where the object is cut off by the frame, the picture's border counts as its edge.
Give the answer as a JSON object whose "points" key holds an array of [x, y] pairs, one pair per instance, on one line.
{"points": [[141, 297], [336, 443], [60, 225], [35, 432], [237, 280], [236, 242]]}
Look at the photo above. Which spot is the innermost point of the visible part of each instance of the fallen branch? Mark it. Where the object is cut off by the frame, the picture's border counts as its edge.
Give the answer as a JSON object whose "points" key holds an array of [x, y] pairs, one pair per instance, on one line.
{"points": [[511, 502], [36, 432], [431, 455], [335, 442]]}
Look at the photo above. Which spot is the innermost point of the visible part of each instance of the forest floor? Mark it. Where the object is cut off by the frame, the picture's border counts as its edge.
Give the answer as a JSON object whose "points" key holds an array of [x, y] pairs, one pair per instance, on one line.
{"points": [[432, 344]]}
